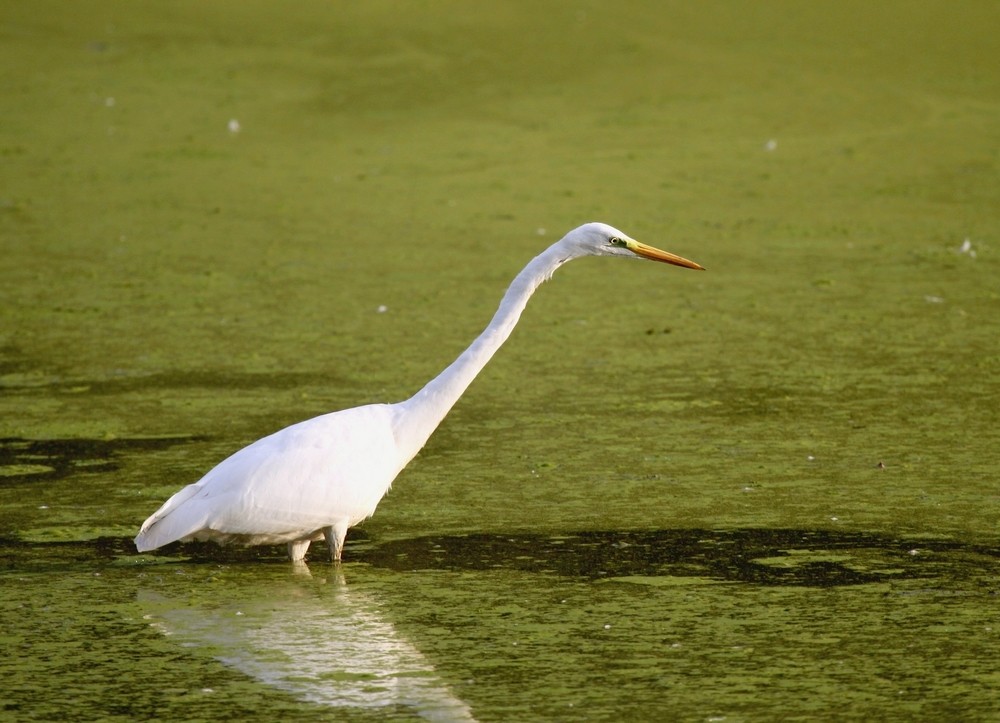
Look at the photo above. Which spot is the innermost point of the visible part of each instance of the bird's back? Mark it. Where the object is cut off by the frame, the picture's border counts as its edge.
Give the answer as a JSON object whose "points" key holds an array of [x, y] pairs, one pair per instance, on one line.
{"points": [[294, 482]]}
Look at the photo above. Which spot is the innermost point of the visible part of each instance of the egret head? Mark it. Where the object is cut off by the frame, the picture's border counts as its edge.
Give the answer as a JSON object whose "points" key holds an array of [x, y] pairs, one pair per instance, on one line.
{"points": [[599, 239]]}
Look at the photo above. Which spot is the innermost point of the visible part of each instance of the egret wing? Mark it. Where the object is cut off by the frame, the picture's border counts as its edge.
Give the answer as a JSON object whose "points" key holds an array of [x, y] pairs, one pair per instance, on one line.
{"points": [[298, 480]]}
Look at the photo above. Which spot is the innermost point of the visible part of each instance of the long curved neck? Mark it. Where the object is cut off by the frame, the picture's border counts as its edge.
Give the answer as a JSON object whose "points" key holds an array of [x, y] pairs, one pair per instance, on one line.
{"points": [[420, 415]]}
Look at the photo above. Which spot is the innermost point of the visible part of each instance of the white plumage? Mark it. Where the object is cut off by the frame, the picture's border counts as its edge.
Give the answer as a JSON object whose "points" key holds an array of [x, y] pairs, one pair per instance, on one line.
{"points": [[315, 479]]}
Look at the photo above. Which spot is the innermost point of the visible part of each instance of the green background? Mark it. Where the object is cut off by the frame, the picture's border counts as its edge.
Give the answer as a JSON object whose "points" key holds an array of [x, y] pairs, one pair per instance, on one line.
{"points": [[220, 218]]}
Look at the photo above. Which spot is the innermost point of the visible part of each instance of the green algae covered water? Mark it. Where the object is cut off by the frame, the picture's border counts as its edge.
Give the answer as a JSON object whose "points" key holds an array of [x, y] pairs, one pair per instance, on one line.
{"points": [[766, 491]]}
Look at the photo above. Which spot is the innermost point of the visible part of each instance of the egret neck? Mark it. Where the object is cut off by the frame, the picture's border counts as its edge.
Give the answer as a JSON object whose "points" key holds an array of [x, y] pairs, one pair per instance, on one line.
{"points": [[418, 417]]}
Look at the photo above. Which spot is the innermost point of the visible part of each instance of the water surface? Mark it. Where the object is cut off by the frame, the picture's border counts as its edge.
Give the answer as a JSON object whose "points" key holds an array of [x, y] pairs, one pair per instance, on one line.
{"points": [[769, 490]]}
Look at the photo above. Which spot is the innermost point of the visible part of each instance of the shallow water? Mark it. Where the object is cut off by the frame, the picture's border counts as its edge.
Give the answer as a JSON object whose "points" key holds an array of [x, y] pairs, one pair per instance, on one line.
{"points": [[769, 490], [699, 623]]}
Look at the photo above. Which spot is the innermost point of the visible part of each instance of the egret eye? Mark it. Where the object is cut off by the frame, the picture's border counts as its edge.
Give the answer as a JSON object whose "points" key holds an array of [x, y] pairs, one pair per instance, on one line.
{"points": [[615, 241]]}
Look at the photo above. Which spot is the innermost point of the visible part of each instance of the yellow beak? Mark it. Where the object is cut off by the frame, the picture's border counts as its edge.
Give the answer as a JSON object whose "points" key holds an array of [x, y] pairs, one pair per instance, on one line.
{"points": [[655, 254]]}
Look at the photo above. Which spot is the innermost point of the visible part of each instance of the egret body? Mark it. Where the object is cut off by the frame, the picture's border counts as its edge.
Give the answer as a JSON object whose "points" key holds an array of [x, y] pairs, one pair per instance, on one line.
{"points": [[315, 479]]}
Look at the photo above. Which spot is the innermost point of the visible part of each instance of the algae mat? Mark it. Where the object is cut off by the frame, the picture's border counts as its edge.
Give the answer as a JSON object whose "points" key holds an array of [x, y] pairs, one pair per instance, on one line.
{"points": [[765, 491]]}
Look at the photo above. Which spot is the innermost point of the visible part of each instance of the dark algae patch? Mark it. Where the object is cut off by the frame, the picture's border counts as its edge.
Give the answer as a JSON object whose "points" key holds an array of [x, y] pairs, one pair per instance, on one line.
{"points": [[773, 557], [46, 459], [767, 556]]}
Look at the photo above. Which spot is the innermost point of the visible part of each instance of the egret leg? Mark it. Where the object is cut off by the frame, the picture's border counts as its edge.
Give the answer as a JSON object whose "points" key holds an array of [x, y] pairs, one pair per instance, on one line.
{"points": [[297, 550], [335, 535]]}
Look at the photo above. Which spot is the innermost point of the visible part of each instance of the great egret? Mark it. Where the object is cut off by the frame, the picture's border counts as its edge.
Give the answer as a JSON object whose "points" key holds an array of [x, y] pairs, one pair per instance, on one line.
{"points": [[317, 478]]}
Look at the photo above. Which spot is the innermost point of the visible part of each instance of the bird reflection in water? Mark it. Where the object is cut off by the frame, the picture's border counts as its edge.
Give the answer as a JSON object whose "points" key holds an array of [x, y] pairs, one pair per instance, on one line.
{"points": [[325, 644]]}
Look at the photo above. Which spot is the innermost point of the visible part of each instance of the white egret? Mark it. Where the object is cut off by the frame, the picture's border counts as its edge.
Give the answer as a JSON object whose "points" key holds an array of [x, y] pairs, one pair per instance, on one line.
{"points": [[315, 479]]}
